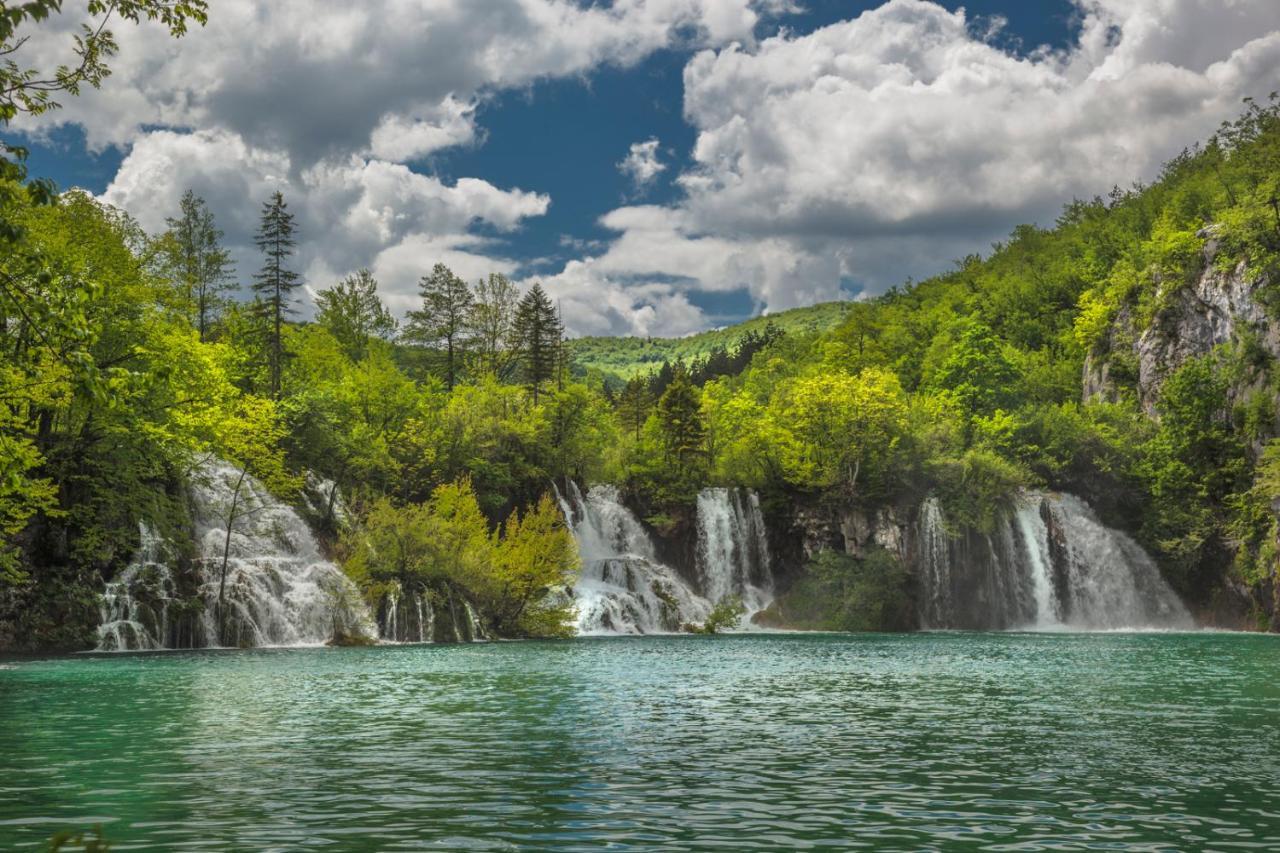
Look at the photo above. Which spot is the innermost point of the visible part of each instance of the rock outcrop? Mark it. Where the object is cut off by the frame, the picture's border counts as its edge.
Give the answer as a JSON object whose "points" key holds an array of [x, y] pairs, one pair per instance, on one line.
{"points": [[1219, 307]]}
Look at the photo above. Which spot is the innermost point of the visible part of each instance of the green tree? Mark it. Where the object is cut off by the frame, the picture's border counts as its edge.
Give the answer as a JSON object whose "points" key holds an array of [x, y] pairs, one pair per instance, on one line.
{"points": [[1194, 463], [977, 371], [726, 615], [354, 314], [840, 424], [837, 592], [634, 405], [536, 556], [539, 337], [443, 319], [492, 324], [198, 262], [275, 282], [680, 459]]}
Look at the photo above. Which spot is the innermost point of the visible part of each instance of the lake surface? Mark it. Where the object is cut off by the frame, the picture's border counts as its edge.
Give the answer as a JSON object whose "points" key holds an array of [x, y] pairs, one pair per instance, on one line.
{"points": [[925, 741]]}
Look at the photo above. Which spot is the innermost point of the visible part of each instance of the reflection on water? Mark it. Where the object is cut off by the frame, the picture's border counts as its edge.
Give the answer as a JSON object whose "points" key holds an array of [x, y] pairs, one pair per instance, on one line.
{"points": [[1007, 741]]}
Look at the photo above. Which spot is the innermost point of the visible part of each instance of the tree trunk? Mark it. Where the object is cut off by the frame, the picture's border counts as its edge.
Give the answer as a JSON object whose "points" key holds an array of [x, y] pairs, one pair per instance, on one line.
{"points": [[449, 366], [226, 554]]}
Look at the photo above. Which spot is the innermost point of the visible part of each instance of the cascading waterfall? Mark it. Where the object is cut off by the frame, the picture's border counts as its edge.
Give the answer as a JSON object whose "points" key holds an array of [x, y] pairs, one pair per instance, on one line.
{"points": [[733, 550], [625, 589], [134, 612], [1049, 564], [406, 617], [279, 590]]}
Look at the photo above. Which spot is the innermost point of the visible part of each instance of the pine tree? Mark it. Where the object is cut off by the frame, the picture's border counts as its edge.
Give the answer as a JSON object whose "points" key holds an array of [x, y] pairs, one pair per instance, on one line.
{"points": [[539, 336], [276, 282], [444, 319], [684, 433], [634, 404], [353, 313], [200, 265]]}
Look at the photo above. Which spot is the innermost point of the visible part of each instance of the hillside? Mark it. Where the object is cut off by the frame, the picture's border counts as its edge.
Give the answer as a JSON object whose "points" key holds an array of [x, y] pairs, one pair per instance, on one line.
{"points": [[626, 357]]}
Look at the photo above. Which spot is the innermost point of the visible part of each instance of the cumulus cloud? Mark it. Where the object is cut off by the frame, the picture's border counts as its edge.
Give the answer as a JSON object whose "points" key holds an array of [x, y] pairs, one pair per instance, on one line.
{"points": [[902, 119], [399, 77], [881, 147], [351, 212], [641, 164], [849, 157], [407, 137], [325, 99]]}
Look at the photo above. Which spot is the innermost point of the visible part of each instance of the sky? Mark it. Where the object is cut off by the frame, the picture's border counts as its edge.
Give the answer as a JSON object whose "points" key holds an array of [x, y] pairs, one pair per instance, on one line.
{"points": [[661, 166]]}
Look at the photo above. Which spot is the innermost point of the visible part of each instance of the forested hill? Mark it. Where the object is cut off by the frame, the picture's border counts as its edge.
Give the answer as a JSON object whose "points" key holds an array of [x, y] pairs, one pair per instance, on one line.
{"points": [[1126, 355], [622, 358]]}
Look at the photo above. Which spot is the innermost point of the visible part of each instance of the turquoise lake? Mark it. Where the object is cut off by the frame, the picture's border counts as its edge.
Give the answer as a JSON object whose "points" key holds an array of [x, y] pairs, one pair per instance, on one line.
{"points": [[753, 741]]}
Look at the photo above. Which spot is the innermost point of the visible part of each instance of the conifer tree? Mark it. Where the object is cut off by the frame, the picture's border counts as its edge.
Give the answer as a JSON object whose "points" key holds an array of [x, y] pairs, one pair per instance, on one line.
{"points": [[275, 283], [539, 337], [201, 267], [633, 405], [444, 319]]}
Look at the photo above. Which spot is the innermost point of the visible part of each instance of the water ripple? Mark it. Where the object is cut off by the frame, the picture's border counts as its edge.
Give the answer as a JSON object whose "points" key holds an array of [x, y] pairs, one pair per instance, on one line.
{"points": [[755, 742]]}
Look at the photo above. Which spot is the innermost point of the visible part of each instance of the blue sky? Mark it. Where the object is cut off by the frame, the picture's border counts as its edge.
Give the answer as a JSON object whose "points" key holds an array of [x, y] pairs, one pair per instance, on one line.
{"points": [[672, 256]]}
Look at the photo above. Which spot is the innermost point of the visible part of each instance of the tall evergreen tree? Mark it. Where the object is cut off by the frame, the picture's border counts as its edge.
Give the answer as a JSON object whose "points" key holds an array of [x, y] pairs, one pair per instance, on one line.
{"points": [[275, 283], [444, 319], [684, 432], [199, 264], [353, 313], [539, 337], [634, 404]]}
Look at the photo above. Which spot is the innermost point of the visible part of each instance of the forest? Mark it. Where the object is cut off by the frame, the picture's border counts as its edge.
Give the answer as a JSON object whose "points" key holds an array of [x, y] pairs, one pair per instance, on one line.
{"points": [[132, 359]]}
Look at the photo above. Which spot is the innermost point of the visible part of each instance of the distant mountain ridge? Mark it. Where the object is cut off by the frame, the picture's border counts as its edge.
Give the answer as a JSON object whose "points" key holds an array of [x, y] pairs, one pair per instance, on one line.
{"points": [[622, 358]]}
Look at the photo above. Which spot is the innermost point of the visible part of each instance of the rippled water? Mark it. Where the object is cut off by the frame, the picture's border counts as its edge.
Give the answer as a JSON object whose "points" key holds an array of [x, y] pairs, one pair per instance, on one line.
{"points": [[928, 741]]}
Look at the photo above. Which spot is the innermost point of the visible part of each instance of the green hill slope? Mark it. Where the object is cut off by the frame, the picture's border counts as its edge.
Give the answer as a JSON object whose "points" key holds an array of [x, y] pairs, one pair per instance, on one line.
{"points": [[626, 357]]}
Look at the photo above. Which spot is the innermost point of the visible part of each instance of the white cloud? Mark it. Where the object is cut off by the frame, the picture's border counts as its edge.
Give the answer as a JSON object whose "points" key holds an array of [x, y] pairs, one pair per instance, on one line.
{"points": [[880, 148], [641, 164], [400, 138], [397, 77], [324, 99], [867, 151], [594, 303], [350, 213]]}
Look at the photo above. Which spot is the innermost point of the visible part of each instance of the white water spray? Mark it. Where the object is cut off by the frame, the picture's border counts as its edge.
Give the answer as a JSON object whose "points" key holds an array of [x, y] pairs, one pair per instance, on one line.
{"points": [[1050, 564], [733, 550], [625, 589], [134, 612], [279, 590]]}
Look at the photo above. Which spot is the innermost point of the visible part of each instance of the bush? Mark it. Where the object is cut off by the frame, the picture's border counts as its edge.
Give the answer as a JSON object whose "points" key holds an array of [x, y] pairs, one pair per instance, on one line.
{"points": [[842, 593], [726, 614]]}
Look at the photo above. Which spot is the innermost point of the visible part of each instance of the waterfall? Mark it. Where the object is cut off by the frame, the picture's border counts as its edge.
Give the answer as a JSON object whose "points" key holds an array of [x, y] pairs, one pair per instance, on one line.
{"points": [[625, 589], [134, 611], [279, 590], [935, 563], [733, 550], [1049, 564], [406, 617]]}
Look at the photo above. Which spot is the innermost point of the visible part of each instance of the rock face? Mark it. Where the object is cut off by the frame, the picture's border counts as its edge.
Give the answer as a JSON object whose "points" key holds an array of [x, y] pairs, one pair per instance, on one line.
{"points": [[1217, 304], [1104, 373], [1218, 308], [849, 529]]}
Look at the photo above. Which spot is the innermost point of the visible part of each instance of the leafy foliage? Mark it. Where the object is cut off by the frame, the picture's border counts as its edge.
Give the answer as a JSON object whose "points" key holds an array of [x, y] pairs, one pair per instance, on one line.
{"points": [[842, 593]]}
